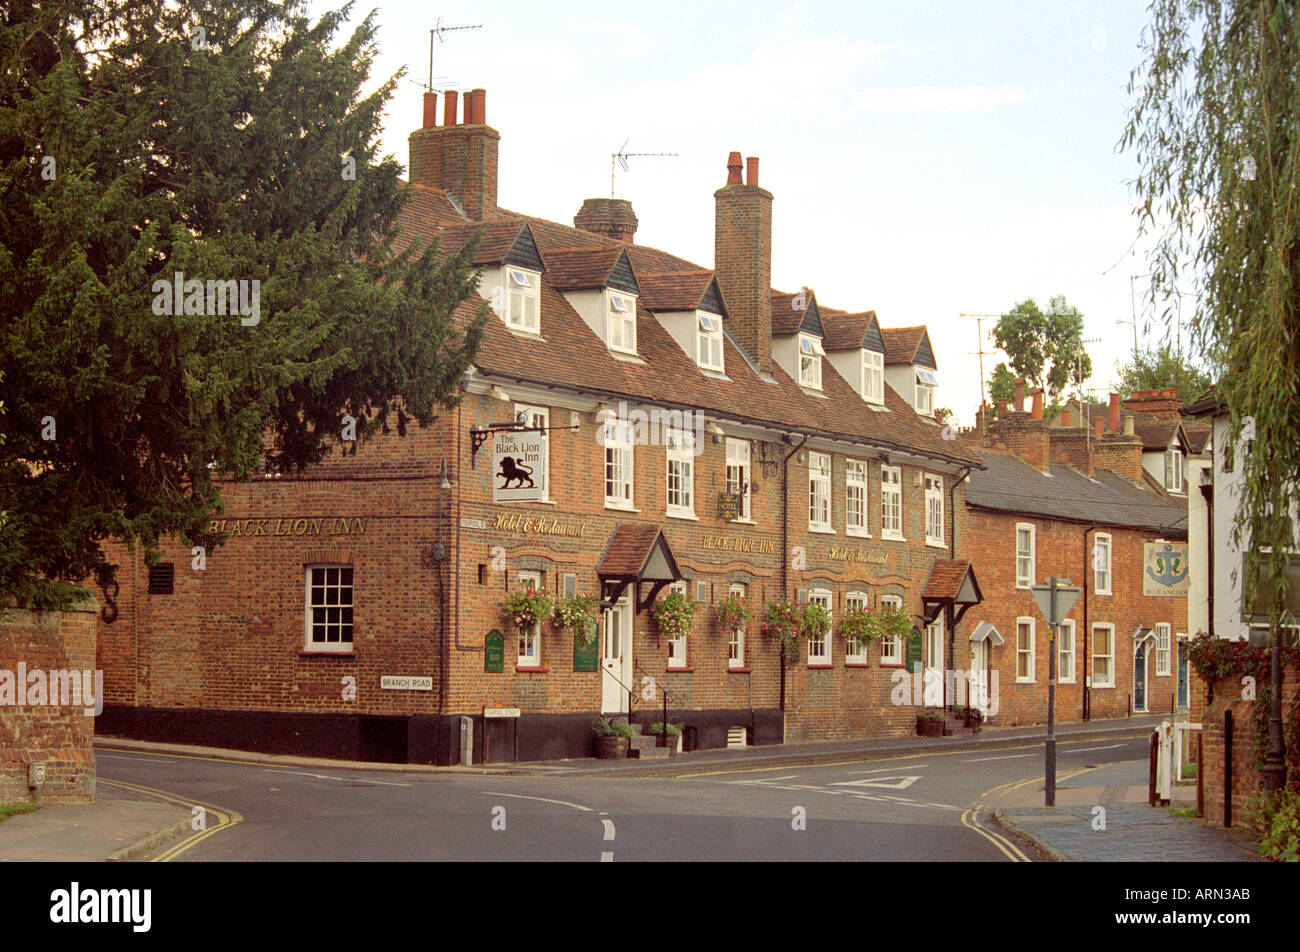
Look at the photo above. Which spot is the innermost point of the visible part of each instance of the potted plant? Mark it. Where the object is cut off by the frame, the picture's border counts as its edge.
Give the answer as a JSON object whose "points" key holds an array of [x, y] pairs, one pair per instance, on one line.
{"points": [[579, 615], [784, 622], [674, 615], [929, 724], [525, 608], [612, 739], [732, 613], [674, 734]]}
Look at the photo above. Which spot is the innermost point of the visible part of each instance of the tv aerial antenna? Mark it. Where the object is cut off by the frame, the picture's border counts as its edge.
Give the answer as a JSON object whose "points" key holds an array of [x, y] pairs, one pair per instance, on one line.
{"points": [[979, 325], [620, 157], [438, 30]]}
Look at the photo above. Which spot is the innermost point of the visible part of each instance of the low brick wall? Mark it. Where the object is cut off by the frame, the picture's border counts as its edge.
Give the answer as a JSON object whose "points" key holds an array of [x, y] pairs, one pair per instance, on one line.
{"points": [[57, 735], [1246, 789]]}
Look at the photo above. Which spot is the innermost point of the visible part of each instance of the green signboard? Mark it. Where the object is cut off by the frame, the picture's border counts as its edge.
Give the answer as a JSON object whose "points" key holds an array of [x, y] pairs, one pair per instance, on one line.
{"points": [[913, 648], [494, 652], [585, 657]]}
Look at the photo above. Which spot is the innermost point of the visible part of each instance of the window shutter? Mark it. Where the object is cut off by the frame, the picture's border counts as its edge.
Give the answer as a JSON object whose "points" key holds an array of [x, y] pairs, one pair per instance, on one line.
{"points": [[801, 596], [701, 591], [570, 584], [162, 578]]}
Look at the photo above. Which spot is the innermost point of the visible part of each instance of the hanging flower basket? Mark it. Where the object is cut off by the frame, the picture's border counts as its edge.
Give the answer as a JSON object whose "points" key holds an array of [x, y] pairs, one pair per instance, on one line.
{"points": [[674, 615], [784, 622], [524, 609], [732, 613], [579, 615], [865, 626]]}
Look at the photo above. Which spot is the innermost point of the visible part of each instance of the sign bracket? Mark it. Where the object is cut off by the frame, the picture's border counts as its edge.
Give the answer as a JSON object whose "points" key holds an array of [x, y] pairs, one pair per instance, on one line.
{"points": [[479, 435]]}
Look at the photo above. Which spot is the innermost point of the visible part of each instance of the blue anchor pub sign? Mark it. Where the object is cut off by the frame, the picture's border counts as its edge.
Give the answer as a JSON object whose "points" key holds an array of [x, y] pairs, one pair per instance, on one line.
{"points": [[1165, 569]]}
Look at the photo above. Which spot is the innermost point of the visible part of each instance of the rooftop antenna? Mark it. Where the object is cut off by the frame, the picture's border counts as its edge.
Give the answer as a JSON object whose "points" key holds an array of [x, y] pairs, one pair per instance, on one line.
{"points": [[621, 158], [979, 326], [438, 30]]}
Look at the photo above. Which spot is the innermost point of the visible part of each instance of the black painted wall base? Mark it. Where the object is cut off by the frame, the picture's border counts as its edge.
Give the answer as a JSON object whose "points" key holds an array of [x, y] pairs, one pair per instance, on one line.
{"points": [[419, 739]]}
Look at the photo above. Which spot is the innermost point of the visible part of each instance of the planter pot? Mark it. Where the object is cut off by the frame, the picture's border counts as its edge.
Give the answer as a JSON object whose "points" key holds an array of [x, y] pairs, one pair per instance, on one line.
{"points": [[928, 728], [611, 748], [674, 744]]}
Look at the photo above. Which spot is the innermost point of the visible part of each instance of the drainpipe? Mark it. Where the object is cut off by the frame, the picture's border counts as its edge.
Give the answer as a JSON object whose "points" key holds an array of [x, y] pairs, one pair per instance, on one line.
{"points": [[1087, 564], [1207, 492], [952, 549], [785, 540]]}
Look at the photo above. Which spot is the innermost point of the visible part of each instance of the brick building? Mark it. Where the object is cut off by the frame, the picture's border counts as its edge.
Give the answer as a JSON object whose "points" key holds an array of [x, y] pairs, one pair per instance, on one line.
{"points": [[1074, 501], [357, 611]]}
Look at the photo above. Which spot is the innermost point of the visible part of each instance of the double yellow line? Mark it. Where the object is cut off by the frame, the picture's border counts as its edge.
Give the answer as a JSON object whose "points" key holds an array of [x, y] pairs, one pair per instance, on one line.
{"points": [[225, 818], [970, 819]]}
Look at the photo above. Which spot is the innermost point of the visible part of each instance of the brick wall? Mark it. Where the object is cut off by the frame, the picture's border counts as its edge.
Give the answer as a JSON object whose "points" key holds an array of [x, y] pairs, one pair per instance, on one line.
{"points": [[60, 736]]}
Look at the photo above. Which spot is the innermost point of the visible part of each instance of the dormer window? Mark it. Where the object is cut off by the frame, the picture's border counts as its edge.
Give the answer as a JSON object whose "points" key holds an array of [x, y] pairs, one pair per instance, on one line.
{"points": [[810, 361], [926, 382], [708, 349], [873, 377], [621, 322], [523, 297]]}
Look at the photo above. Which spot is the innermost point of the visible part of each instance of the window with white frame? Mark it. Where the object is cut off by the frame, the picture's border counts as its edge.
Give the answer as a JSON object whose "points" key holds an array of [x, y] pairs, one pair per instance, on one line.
{"points": [[1101, 564], [708, 348], [855, 497], [873, 377], [677, 646], [738, 469], [1174, 469], [891, 649], [819, 647], [736, 639], [819, 491], [523, 297], [622, 322], [681, 472], [530, 639], [811, 353], [618, 464], [1024, 555], [329, 608], [538, 417], [933, 509], [891, 502], [1065, 652], [1024, 649], [1103, 656], [1163, 632], [855, 650], [926, 382]]}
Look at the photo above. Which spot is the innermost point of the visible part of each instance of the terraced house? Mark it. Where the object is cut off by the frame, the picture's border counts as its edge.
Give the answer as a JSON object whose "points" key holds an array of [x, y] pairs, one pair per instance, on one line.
{"points": [[635, 423]]}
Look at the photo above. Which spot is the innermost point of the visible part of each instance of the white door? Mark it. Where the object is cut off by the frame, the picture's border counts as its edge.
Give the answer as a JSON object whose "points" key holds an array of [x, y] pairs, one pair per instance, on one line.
{"points": [[977, 685], [616, 657], [934, 663]]}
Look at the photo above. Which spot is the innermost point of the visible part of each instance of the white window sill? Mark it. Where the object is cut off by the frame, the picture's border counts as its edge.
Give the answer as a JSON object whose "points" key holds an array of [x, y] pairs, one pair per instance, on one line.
{"points": [[620, 508], [936, 543], [889, 536], [627, 356], [688, 516], [1098, 591], [1064, 681], [857, 533], [821, 530], [743, 522], [1025, 681], [714, 373], [1104, 686], [526, 334]]}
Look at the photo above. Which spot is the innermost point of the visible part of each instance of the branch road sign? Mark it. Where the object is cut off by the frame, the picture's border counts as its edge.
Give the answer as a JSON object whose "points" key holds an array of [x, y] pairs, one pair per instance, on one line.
{"points": [[1055, 599], [1065, 597]]}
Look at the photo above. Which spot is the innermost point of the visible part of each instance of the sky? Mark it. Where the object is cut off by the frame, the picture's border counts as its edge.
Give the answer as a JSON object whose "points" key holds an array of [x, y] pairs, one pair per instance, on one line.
{"points": [[928, 160]]}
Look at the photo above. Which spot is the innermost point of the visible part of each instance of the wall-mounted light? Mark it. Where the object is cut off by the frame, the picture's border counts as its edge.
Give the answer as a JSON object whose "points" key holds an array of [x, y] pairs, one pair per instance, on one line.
{"points": [[499, 394], [575, 419], [445, 482], [714, 431]]}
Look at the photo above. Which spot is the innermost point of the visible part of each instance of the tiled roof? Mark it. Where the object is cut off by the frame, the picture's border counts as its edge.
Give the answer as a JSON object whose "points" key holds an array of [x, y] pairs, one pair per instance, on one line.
{"points": [[629, 548], [674, 292], [946, 576], [1156, 434], [579, 269], [1198, 434], [498, 238], [901, 343], [786, 316], [1008, 484], [845, 331]]}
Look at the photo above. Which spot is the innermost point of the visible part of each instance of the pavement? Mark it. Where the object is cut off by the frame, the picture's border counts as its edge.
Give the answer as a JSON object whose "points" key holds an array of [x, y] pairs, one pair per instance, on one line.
{"points": [[121, 824]]}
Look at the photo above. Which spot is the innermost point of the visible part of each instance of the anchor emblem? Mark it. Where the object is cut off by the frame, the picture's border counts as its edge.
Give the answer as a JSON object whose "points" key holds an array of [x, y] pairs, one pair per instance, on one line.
{"points": [[1167, 567]]}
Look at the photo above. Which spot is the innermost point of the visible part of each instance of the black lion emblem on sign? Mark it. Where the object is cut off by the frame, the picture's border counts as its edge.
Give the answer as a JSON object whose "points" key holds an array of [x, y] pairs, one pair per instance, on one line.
{"points": [[514, 471]]}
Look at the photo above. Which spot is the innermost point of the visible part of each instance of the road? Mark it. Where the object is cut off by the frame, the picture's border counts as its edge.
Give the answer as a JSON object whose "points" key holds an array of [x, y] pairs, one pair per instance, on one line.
{"points": [[921, 807]]}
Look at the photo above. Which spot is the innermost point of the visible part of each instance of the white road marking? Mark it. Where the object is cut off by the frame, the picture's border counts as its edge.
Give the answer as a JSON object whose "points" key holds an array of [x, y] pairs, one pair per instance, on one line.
{"points": [[980, 760], [1084, 750], [768, 780], [889, 783], [302, 773], [520, 796], [607, 857], [609, 829], [884, 769]]}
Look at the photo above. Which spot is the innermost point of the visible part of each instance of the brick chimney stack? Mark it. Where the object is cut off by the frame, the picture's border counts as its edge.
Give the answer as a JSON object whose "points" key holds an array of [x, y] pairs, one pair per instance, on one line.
{"points": [[1024, 434], [742, 259], [1119, 450], [1162, 404], [1071, 444], [459, 159], [608, 217]]}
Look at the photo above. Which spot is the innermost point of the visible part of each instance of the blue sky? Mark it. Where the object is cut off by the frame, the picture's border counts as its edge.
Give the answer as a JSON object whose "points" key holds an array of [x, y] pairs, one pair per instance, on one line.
{"points": [[927, 159]]}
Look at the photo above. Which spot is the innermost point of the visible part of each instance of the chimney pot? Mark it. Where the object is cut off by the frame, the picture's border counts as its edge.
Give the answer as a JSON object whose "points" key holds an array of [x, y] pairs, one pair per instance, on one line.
{"points": [[450, 108], [1128, 426], [1020, 395], [1065, 418], [476, 107], [733, 169], [1113, 423], [751, 170], [1002, 407], [1098, 424], [430, 110], [1038, 403]]}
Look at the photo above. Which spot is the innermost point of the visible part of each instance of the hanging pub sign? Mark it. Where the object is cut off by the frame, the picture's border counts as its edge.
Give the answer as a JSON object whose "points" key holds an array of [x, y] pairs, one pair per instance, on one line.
{"points": [[729, 506], [913, 647], [585, 657], [494, 652], [518, 466], [1164, 569]]}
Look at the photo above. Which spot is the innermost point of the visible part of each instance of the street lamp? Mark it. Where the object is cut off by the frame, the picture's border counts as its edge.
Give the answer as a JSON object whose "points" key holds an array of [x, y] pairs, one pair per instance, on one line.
{"points": [[1055, 599]]}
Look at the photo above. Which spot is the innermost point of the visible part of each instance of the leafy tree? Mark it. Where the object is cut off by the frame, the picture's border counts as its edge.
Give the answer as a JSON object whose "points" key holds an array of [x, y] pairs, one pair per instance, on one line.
{"points": [[1162, 367], [1214, 129], [227, 140], [1046, 348], [1002, 386]]}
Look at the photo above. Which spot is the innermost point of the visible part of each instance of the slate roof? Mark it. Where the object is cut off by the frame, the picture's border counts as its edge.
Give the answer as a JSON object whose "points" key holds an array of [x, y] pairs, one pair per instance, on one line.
{"points": [[1008, 484]]}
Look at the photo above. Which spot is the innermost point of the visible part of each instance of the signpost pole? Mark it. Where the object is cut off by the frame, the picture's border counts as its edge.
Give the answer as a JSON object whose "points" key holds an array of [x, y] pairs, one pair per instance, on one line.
{"points": [[1049, 785]]}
